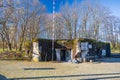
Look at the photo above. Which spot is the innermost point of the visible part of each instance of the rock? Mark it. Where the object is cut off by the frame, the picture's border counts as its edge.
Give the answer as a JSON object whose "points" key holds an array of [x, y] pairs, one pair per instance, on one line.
{"points": [[91, 61], [75, 61], [80, 60], [69, 61], [36, 59]]}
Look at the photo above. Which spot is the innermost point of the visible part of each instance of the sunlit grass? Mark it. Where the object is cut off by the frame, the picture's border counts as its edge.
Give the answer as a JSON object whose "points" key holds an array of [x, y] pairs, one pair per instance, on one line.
{"points": [[1, 50], [115, 51]]}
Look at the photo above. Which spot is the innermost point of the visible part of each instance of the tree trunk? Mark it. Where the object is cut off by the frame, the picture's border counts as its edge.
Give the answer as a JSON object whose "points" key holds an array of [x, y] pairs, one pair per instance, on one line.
{"points": [[16, 46], [20, 47], [70, 33], [75, 32], [9, 46], [21, 44], [3, 46]]}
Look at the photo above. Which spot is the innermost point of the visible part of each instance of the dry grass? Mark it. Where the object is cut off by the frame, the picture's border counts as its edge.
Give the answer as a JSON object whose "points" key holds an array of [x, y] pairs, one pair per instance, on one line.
{"points": [[24, 70], [115, 51]]}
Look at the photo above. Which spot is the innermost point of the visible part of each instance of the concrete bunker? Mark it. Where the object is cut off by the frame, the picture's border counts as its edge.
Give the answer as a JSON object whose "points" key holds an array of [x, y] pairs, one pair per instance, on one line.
{"points": [[68, 50]]}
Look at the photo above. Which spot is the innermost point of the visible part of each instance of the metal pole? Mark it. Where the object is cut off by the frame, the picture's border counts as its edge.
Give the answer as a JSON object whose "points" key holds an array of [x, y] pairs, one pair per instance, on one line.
{"points": [[53, 37]]}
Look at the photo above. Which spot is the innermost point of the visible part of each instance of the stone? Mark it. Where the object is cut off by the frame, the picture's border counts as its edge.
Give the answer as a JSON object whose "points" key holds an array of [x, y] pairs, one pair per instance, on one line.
{"points": [[69, 61], [91, 61], [36, 59], [75, 61]]}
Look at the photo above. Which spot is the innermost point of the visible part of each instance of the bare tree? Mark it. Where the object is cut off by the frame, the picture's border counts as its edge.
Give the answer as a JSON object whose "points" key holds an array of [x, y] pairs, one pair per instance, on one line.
{"points": [[66, 14], [112, 30], [7, 13], [59, 27], [30, 21], [85, 15], [20, 21]]}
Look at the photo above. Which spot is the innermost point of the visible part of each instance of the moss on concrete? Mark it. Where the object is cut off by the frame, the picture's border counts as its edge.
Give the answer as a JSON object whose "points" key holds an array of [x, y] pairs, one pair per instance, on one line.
{"points": [[65, 44]]}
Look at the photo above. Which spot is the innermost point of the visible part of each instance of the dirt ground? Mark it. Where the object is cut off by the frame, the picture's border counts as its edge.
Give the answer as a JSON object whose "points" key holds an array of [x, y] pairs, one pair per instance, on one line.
{"points": [[104, 69]]}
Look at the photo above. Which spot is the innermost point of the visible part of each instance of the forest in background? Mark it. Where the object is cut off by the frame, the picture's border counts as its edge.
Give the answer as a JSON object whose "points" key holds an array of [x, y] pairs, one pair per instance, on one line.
{"points": [[21, 21]]}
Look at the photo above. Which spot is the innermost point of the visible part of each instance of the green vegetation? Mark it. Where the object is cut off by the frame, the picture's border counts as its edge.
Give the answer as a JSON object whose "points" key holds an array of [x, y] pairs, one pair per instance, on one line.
{"points": [[115, 51], [1, 50]]}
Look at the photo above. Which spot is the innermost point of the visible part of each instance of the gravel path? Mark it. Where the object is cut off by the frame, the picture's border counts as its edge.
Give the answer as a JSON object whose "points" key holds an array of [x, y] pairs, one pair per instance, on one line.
{"points": [[106, 69]]}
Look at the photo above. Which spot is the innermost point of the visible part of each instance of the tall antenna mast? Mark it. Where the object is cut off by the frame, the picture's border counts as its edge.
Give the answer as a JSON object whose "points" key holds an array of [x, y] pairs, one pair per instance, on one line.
{"points": [[53, 29]]}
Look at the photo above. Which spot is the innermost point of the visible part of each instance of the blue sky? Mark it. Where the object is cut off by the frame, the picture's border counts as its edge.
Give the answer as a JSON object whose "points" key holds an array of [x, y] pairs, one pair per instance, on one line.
{"points": [[58, 3], [113, 5]]}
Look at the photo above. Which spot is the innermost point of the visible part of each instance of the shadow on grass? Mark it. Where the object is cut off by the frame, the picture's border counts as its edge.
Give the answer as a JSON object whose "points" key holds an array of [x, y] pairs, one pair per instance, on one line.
{"points": [[39, 68], [70, 76]]}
